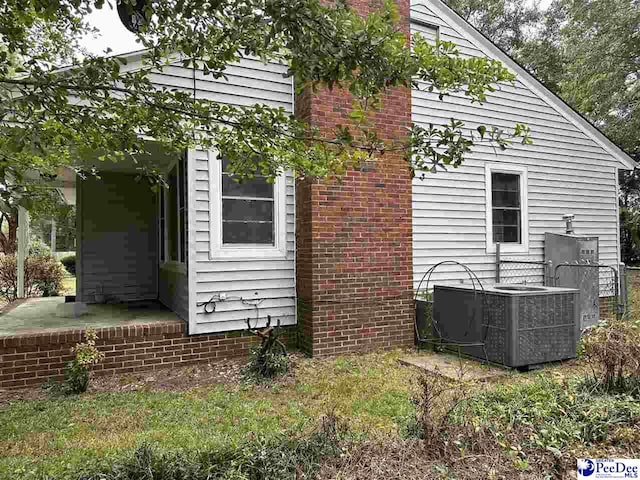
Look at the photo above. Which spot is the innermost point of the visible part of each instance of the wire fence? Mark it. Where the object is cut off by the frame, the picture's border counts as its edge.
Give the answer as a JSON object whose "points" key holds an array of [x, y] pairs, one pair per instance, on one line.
{"points": [[527, 272], [611, 296]]}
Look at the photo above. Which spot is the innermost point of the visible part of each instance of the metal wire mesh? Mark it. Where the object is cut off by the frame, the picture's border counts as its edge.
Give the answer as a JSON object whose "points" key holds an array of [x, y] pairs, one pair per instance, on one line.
{"points": [[632, 284], [525, 272], [532, 272], [608, 289]]}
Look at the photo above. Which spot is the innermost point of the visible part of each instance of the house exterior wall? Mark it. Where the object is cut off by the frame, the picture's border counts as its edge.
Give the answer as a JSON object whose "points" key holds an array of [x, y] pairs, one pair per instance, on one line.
{"points": [[364, 243], [354, 235], [254, 286], [567, 172], [251, 280], [117, 238], [173, 290]]}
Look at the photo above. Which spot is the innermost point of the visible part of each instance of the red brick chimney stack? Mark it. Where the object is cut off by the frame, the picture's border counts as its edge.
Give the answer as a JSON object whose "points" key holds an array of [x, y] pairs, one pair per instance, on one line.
{"points": [[354, 237]]}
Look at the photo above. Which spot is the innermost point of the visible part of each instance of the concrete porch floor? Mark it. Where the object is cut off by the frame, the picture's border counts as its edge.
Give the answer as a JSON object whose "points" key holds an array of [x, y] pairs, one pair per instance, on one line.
{"points": [[39, 315]]}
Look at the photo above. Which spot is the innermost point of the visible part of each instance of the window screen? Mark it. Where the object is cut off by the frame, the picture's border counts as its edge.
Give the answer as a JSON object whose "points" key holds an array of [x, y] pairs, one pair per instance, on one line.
{"points": [[506, 206], [172, 215], [182, 208], [247, 210], [162, 228]]}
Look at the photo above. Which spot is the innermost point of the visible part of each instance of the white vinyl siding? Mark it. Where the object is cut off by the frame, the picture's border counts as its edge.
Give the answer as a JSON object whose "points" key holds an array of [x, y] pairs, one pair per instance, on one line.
{"points": [[243, 280], [567, 172], [268, 282]]}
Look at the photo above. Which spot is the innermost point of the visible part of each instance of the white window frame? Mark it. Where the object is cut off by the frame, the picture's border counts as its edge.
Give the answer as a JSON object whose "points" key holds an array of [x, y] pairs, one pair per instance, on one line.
{"points": [[179, 265], [220, 251], [523, 246]]}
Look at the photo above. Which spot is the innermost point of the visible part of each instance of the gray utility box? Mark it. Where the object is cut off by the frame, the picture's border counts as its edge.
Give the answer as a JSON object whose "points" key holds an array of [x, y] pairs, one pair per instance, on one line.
{"points": [[520, 326], [573, 250]]}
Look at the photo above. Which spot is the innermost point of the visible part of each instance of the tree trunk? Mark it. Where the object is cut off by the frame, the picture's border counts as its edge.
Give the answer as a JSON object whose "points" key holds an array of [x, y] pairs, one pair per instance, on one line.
{"points": [[8, 242]]}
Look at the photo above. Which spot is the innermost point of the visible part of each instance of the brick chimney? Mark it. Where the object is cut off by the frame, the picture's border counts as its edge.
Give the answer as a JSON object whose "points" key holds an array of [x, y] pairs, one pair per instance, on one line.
{"points": [[354, 236]]}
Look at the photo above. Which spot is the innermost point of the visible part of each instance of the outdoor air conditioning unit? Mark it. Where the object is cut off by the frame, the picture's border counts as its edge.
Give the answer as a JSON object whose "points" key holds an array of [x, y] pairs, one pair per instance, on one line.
{"points": [[513, 325]]}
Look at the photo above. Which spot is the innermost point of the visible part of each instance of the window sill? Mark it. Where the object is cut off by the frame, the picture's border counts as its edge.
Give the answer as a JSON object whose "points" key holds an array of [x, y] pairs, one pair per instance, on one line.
{"points": [[174, 267], [250, 252], [509, 248]]}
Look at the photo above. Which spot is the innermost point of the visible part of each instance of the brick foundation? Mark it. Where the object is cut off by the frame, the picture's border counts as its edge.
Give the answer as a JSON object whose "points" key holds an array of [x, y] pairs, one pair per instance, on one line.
{"points": [[354, 257], [30, 359]]}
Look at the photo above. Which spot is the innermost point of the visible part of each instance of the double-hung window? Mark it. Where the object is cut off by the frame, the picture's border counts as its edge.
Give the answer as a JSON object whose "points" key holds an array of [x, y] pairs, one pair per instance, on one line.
{"points": [[506, 199], [247, 217], [248, 209], [173, 215]]}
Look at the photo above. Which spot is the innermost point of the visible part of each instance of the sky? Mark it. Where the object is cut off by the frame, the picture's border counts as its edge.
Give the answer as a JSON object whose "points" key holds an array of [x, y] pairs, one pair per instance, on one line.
{"points": [[113, 34]]}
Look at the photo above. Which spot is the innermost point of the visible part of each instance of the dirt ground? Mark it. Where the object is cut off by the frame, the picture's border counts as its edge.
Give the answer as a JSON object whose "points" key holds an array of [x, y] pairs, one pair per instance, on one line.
{"points": [[173, 379]]}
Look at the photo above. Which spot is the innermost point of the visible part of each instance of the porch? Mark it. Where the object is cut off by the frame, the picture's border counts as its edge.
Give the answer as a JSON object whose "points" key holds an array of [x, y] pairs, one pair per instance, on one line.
{"points": [[36, 343], [48, 315]]}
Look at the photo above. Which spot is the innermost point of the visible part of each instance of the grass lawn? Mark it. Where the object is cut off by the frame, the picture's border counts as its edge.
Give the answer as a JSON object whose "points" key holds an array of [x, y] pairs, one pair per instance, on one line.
{"points": [[369, 394], [532, 423], [55, 436], [68, 285]]}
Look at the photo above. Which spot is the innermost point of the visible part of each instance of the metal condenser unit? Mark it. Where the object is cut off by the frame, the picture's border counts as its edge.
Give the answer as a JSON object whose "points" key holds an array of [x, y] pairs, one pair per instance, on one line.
{"points": [[514, 325]]}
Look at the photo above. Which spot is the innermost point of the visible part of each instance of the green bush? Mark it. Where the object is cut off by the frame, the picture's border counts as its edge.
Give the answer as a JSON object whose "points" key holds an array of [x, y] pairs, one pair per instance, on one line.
{"points": [[69, 263], [266, 364], [552, 414], [37, 248], [269, 359], [42, 277], [278, 458], [76, 373]]}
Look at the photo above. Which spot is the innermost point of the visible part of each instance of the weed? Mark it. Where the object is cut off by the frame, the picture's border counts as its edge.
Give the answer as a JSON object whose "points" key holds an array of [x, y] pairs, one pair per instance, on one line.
{"points": [[546, 414], [282, 457], [76, 373], [269, 359], [612, 349], [434, 403]]}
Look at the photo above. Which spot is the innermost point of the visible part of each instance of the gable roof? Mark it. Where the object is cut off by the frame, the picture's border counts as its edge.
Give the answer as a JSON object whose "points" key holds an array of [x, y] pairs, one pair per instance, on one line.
{"points": [[449, 15], [530, 81]]}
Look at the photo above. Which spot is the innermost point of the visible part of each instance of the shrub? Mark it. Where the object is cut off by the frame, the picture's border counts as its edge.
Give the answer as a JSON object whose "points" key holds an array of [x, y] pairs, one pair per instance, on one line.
{"points": [[77, 371], [69, 263], [37, 248], [547, 413], [435, 400], [612, 349], [269, 359], [266, 364], [42, 276], [282, 457]]}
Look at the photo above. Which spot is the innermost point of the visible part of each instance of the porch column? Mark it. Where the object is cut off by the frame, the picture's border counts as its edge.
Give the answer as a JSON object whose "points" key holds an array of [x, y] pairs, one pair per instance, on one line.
{"points": [[54, 232], [354, 237], [23, 248]]}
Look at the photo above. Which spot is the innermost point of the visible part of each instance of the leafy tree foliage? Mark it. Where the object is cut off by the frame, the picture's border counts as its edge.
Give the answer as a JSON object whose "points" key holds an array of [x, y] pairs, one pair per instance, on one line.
{"points": [[53, 117], [602, 80], [588, 52], [508, 23]]}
